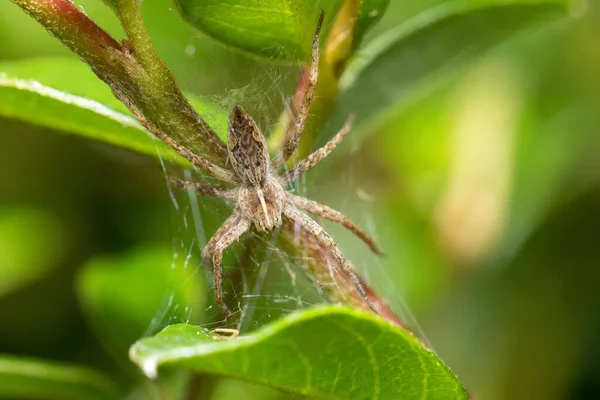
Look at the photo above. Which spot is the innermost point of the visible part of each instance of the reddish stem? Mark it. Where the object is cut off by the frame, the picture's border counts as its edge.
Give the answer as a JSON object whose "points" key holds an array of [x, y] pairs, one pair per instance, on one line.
{"points": [[65, 21]]}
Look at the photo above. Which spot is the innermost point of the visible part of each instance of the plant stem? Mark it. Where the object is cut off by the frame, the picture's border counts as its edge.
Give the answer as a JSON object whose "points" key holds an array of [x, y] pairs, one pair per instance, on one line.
{"points": [[152, 91], [160, 76], [80, 34], [164, 105]]}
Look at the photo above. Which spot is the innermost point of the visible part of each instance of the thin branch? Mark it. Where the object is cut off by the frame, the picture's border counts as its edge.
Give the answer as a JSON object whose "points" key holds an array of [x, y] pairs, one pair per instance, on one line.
{"points": [[142, 48], [79, 33], [119, 65]]}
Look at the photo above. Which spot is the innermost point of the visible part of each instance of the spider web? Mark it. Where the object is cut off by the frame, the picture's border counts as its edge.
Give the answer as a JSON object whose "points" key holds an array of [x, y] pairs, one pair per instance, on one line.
{"points": [[261, 280]]}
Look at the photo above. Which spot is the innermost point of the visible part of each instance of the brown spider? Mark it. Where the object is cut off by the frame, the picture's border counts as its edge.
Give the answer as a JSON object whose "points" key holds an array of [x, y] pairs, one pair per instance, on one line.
{"points": [[258, 191]]}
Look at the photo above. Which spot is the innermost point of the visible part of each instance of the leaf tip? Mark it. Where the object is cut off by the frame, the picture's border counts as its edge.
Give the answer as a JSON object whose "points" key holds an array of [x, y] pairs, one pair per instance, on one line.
{"points": [[149, 368], [149, 365]]}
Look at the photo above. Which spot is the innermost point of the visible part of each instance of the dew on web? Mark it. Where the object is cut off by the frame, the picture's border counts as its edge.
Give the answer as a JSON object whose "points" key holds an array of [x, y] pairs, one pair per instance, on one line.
{"points": [[189, 254], [166, 175], [196, 217]]}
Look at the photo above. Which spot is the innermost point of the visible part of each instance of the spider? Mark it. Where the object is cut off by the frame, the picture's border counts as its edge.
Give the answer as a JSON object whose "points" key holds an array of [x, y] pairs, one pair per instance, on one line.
{"points": [[258, 190]]}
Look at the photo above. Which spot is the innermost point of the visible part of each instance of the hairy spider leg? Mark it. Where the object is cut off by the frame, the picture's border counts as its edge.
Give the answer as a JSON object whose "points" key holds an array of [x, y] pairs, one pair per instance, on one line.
{"points": [[204, 189], [326, 240], [212, 254], [232, 333], [318, 155], [294, 130], [335, 216]]}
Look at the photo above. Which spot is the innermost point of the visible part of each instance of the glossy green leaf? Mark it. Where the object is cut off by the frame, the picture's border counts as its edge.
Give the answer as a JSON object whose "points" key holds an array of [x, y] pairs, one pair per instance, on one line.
{"points": [[369, 13], [122, 310], [36, 379], [276, 29], [30, 243], [397, 63], [64, 94], [328, 352]]}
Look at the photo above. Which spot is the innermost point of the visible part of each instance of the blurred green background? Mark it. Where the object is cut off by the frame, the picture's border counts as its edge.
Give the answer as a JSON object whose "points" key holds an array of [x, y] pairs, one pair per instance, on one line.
{"points": [[483, 189]]}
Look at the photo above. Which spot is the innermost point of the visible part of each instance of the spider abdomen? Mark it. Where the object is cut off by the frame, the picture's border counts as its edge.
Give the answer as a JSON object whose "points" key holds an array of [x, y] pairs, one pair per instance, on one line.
{"points": [[262, 204]]}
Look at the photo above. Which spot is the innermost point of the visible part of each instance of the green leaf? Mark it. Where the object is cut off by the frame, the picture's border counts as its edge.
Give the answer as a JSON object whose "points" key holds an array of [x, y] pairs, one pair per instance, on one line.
{"points": [[31, 378], [328, 352], [394, 65], [122, 309], [64, 94], [268, 28], [369, 13], [31, 241]]}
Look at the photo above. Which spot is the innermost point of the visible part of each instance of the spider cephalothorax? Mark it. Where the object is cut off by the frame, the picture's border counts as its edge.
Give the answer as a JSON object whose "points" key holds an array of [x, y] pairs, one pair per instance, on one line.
{"points": [[258, 191]]}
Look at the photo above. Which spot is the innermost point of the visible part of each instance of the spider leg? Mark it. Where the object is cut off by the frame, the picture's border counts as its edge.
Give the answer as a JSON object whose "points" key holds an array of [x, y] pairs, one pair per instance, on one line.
{"points": [[204, 189], [212, 254], [335, 216], [232, 333], [209, 249], [294, 130], [196, 160], [327, 241], [318, 155]]}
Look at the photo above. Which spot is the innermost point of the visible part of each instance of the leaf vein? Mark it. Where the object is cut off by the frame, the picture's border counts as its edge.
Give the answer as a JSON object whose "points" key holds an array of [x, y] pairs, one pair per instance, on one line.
{"points": [[372, 359]]}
